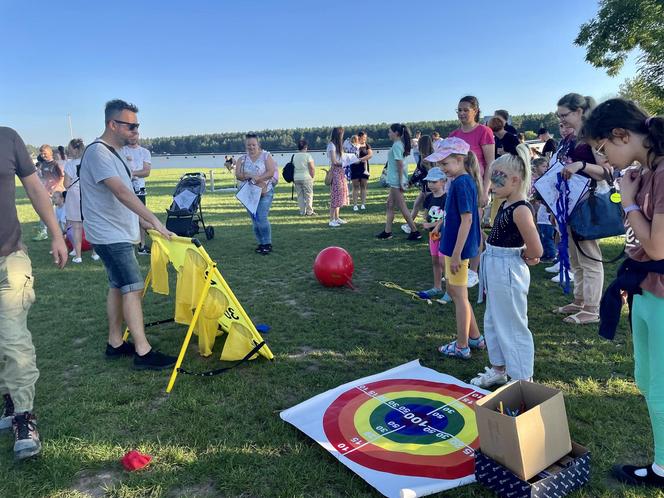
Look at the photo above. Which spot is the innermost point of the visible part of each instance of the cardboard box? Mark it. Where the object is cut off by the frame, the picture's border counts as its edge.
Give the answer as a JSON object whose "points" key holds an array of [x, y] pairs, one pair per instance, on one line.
{"points": [[531, 441], [560, 479]]}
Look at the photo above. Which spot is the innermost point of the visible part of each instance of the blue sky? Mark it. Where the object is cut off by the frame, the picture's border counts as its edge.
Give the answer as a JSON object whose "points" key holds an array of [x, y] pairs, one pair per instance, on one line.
{"points": [[211, 66]]}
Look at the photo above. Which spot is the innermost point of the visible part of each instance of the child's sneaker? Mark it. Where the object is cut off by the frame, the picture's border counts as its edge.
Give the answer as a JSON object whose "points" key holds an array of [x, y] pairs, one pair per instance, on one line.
{"points": [[27, 442], [446, 299], [41, 235], [363, 207], [414, 235], [7, 418], [488, 378], [430, 294], [384, 235], [77, 260], [406, 228], [95, 256], [477, 343], [355, 208], [452, 350], [473, 278]]}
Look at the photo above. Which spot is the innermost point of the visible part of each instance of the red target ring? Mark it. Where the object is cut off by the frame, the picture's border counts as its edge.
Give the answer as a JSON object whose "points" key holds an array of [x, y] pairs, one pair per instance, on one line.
{"points": [[406, 427]]}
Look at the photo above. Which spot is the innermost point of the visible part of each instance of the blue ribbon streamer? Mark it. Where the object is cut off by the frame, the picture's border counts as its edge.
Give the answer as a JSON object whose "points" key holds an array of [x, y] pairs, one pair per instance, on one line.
{"points": [[562, 216]]}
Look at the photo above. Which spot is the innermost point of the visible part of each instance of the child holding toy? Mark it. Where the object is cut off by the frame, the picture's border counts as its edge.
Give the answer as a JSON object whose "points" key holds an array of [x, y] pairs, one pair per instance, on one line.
{"points": [[434, 214], [621, 132]]}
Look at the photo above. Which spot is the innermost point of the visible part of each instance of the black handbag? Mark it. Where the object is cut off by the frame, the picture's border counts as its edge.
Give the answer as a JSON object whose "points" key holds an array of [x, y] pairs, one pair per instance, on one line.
{"points": [[597, 216]]}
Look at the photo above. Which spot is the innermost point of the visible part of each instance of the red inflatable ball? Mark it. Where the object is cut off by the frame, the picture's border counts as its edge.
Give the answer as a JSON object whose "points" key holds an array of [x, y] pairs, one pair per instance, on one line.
{"points": [[334, 267], [69, 240]]}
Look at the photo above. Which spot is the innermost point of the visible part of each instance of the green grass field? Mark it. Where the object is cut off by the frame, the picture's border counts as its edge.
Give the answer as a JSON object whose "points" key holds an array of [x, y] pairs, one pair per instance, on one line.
{"points": [[222, 436]]}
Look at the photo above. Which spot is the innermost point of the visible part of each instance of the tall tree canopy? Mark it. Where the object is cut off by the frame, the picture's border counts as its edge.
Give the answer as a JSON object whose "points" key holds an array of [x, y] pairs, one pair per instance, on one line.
{"points": [[620, 27]]}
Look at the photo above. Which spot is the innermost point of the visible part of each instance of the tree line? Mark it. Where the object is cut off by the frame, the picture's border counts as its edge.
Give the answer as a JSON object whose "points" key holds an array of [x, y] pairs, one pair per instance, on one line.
{"points": [[286, 139]]}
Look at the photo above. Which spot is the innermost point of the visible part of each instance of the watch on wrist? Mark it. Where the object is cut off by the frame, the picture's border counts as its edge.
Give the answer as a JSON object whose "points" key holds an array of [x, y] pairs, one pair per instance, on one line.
{"points": [[582, 167]]}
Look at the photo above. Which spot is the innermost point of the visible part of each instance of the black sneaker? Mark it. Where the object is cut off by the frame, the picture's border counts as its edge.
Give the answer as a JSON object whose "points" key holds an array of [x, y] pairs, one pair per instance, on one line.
{"points": [[414, 235], [124, 349], [267, 249], [144, 250], [27, 442], [627, 474], [384, 235], [153, 360], [259, 249], [7, 418]]}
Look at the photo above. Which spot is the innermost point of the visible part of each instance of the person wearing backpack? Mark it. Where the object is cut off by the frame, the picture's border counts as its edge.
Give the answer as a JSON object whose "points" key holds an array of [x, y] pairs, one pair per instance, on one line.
{"points": [[303, 178]]}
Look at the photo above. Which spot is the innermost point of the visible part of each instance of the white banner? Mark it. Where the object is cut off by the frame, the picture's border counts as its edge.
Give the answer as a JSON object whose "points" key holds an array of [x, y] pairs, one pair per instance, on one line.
{"points": [[408, 432]]}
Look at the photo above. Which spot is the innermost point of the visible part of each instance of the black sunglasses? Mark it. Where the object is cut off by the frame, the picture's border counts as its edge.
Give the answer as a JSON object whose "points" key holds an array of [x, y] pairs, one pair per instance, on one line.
{"points": [[130, 126]]}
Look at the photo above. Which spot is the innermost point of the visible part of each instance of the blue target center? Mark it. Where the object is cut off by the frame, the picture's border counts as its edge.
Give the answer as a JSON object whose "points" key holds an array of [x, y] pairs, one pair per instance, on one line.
{"points": [[418, 419]]}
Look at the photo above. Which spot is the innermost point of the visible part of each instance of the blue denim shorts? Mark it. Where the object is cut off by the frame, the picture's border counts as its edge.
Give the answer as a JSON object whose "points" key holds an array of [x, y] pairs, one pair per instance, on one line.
{"points": [[121, 266]]}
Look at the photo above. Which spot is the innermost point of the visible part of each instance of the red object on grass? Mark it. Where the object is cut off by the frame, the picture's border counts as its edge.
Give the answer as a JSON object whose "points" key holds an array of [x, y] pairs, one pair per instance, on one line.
{"points": [[135, 461], [334, 267], [69, 240]]}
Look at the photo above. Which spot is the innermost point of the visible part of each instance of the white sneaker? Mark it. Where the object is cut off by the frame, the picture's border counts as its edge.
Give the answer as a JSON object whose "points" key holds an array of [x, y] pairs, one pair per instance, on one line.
{"points": [[355, 208], [488, 378], [72, 253], [77, 260], [406, 228], [341, 222], [556, 278], [553, 269], [95, 257], [473, 278], [334, 223], [363, 207]]}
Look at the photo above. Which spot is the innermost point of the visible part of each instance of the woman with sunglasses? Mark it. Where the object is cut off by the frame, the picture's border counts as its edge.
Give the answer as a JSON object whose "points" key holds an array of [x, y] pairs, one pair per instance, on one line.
{"points": [[586, 259]]}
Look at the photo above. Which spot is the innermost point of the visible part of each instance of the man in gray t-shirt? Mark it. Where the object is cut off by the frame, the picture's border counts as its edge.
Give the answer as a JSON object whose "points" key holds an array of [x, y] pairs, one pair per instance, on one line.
{"points": [[111, 217]]}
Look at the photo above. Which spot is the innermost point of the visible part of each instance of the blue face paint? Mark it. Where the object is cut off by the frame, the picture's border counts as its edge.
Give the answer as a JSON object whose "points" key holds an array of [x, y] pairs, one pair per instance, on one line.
{"points": [[499, 179]]}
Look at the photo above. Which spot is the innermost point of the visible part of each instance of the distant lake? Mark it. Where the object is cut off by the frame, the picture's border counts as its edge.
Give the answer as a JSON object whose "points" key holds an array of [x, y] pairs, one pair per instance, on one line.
{"points": [[209, 161]]}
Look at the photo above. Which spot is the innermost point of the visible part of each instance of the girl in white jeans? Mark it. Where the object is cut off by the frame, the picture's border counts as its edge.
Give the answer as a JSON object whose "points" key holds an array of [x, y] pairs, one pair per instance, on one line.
{"points": [[505, 259]]}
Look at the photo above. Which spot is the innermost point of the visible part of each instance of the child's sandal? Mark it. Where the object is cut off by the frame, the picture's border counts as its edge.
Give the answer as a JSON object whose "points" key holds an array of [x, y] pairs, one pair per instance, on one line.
{"points": [[453, 351]]}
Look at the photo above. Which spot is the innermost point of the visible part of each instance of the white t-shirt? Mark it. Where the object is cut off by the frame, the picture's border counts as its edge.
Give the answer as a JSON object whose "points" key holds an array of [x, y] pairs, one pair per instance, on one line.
{"points": [[135, 157], [70, 171]]}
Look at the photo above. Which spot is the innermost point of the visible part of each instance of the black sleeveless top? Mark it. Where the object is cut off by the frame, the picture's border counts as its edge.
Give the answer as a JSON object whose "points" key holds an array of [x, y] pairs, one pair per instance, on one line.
{"points": [[505, 233]]}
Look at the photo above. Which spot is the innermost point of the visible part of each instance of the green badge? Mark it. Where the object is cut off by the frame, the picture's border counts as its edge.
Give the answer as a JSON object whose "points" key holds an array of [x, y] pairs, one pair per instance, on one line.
{"points": [[615, 198]]}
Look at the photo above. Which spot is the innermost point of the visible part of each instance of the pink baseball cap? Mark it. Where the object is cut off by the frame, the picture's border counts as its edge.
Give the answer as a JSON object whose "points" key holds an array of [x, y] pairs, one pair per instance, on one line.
{"points": [[447, 147]]}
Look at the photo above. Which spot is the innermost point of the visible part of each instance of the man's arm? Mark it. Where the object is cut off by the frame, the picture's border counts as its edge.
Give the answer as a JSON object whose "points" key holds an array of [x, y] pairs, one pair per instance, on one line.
{"points": [[129, 199], [42, 204], [142, 173]]}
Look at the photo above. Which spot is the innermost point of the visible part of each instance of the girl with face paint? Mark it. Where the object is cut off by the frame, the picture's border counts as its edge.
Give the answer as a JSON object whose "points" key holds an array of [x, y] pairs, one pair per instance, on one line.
{"points": [[513, 244]]}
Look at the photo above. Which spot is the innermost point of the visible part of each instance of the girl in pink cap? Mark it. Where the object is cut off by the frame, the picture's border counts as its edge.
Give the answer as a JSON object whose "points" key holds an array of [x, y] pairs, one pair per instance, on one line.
{"points": [[460, 240]]}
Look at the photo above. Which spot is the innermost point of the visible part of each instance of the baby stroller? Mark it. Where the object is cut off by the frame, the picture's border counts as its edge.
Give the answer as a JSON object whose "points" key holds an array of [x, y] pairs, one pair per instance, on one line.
{"points": [[186, 206]]}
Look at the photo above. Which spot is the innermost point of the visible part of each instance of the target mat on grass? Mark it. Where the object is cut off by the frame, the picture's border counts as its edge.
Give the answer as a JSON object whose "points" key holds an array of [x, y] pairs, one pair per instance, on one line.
{"points": [[409, 431]]}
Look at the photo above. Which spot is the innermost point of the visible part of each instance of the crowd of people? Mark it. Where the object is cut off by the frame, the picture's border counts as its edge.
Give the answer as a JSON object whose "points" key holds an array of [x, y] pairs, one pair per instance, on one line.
{"points": [[479, 177]]}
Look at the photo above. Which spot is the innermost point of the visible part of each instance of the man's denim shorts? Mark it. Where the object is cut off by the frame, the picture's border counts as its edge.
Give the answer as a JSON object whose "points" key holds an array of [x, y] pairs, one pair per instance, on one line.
{"points": [[121, 266]]}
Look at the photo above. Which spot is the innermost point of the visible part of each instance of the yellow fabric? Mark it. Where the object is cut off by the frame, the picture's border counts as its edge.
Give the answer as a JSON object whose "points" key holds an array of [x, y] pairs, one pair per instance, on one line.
{"points": [[220, 311], [159, 267], [208, 321], [239, 342], [191, 279]]}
